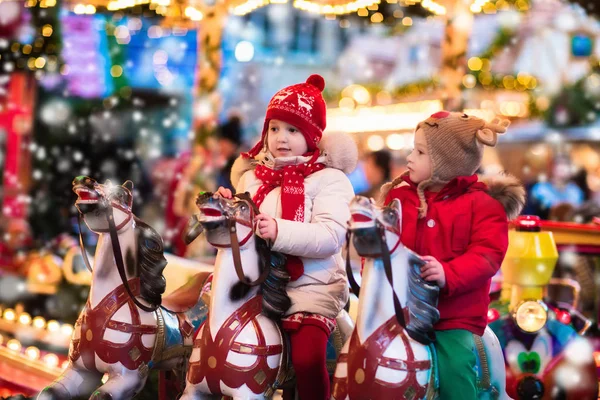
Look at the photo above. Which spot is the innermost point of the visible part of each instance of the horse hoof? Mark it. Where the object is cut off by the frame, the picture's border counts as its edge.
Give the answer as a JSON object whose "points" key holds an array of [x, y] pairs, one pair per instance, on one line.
{"points": [[54, 393], [97, 395]]}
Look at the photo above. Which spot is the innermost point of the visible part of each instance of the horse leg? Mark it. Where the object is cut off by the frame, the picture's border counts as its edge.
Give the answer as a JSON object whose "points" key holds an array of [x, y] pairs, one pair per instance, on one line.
{"points": [[74, 382], [495, 358], [122, 384]]}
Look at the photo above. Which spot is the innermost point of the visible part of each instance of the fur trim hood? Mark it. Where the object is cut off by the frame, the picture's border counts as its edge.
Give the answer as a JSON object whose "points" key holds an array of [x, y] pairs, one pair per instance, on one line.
{"points": [[505, 188], [508, 190], [338, 150]]}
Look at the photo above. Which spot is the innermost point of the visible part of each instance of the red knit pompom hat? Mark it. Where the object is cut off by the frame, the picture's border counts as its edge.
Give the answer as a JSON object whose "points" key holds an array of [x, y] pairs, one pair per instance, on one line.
{"points": [[300, 105]]}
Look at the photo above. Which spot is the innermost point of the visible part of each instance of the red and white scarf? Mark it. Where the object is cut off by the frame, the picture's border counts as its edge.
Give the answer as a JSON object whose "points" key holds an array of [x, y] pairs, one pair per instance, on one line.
{"points": [[291, 180]]}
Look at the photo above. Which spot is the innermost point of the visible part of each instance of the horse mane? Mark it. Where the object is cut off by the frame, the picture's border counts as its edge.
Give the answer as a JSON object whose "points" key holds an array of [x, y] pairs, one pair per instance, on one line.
{"points": [[275, 299], [151, 263], [422, 300]]}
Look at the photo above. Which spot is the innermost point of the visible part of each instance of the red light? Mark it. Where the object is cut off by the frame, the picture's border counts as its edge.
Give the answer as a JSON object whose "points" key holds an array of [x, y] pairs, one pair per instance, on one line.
{"points": [[563, 316], [530, 223], [492, 315]]}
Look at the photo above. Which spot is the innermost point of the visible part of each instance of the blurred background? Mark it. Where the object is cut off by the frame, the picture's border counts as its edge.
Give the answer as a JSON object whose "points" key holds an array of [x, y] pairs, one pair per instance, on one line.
{"points": [[167, 93]]}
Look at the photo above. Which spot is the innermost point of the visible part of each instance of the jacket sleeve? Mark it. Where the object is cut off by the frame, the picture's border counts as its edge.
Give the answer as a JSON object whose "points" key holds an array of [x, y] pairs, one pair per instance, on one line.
{"points": [[325, 234], [485, 252]]}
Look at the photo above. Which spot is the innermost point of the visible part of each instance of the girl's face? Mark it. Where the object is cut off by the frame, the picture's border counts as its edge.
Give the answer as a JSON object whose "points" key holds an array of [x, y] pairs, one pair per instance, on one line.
{"points": [[419, 161], [285, 140]]}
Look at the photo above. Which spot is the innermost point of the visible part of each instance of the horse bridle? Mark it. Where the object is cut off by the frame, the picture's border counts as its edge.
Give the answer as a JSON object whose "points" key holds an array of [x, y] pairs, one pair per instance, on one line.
{"points": [[107, 206], [232, 222], [387, 265]]}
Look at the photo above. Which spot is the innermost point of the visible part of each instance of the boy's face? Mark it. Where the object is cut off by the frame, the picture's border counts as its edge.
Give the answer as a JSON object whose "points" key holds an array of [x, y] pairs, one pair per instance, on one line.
{"points": [[419, 161], [285, 140]]}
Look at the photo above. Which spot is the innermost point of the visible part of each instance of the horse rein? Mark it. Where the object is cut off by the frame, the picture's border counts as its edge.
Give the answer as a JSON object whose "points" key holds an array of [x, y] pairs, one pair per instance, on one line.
{"points": [[387, 266], [114, 238], [235, 244]]}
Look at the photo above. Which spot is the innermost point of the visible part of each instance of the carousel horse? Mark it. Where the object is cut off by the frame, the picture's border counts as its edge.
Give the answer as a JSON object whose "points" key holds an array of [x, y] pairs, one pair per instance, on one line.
{"points": [[390, 353], [240, 351], [126, 327]]}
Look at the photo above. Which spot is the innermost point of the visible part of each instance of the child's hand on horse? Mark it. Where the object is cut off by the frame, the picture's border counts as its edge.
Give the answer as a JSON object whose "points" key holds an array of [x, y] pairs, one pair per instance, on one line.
{"points": [[224, 192], [433, 271], [267, 226]]}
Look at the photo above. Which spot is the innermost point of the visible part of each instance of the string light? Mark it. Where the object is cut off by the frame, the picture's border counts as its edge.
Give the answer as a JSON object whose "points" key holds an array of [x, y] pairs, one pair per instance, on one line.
{"points": [[51, 360], [14, 345], [9, 314], [53, 326], [67, 329], [32, 352], [25, 319], [39, 322]]}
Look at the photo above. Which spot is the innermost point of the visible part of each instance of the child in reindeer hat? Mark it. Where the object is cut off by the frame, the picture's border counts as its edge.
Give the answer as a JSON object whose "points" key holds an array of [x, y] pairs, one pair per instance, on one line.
{"points": [[297, 180], [460, 225]]}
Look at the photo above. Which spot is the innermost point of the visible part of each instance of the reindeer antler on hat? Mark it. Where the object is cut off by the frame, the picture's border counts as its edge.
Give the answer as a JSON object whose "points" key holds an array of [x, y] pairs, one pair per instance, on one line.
{"points": [[488, 135]]}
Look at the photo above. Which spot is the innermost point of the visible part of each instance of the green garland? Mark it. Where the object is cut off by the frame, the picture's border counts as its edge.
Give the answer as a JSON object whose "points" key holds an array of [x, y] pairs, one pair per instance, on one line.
{"points": [[409, 89], [117, 53], [580, 107]]}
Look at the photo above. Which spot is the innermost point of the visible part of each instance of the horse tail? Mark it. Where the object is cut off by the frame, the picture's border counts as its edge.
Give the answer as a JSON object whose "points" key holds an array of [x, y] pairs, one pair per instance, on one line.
{"points": [[151, 262], [275, 299]]}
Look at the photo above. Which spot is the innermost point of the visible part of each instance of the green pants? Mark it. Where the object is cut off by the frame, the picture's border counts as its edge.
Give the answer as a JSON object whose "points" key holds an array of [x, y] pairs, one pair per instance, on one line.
{"points": [[456, 364]]}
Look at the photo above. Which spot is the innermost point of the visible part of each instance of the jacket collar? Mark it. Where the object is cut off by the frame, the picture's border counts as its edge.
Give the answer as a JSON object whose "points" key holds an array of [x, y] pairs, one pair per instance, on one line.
{"points": [[455, 187]]}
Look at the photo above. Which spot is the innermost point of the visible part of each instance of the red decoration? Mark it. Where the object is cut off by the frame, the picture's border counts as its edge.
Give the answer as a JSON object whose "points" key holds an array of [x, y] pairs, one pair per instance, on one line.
{"points": [[492, 315], [563, 316], [11, 13]]}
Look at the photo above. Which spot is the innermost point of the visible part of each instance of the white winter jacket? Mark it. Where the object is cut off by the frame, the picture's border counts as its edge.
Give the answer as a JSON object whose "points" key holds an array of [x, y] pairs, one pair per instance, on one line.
{"points": [[318, 241]]}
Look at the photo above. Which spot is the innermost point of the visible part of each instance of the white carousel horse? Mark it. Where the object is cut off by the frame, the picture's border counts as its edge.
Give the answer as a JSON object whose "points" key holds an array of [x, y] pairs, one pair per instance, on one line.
{"points": [[123, 330], [240, 350], [385, 358]]}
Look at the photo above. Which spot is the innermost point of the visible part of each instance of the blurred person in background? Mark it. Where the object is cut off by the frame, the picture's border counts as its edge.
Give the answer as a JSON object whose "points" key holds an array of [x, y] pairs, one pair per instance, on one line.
{"points": [[229, 135], [558, 190], [378, 170]]}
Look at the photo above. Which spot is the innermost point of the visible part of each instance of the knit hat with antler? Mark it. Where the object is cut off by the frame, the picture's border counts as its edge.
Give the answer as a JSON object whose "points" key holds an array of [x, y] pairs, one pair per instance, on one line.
{"points": [[455, 142], [300, 105]]}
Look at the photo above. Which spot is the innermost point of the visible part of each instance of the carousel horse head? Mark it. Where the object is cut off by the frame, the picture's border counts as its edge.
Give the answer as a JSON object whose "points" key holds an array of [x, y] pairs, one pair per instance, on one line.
{"points": [[376, 234], [219, 215], [103, 205], [371, 225], [229, 224], [96, 202]]}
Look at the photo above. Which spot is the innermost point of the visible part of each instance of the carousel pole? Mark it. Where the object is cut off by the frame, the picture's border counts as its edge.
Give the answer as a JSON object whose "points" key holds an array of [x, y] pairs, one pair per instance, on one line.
{"points": [[16, 117], [210, 37], [459, 24]]}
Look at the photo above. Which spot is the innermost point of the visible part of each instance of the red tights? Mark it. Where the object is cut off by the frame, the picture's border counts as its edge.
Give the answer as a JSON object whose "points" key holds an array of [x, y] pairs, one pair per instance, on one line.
{"points": [[309, 348]]}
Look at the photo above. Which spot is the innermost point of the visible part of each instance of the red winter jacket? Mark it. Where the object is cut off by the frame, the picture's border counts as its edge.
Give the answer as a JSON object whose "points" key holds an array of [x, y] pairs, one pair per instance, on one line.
{"points": [[466, 230]]}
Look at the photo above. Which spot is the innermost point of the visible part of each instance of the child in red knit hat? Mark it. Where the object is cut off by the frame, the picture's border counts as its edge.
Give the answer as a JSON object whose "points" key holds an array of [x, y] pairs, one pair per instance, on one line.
{"points": [[299, 185]]}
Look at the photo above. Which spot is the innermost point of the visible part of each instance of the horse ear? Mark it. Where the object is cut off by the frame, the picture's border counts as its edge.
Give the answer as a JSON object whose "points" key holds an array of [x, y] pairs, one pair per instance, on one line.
{"points": [[397, 205], [128, 185], [108, 182]]}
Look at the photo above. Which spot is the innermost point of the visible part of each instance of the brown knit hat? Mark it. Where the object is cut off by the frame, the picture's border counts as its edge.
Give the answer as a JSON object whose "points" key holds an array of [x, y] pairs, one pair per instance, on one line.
{"points": [[455, 142]]}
